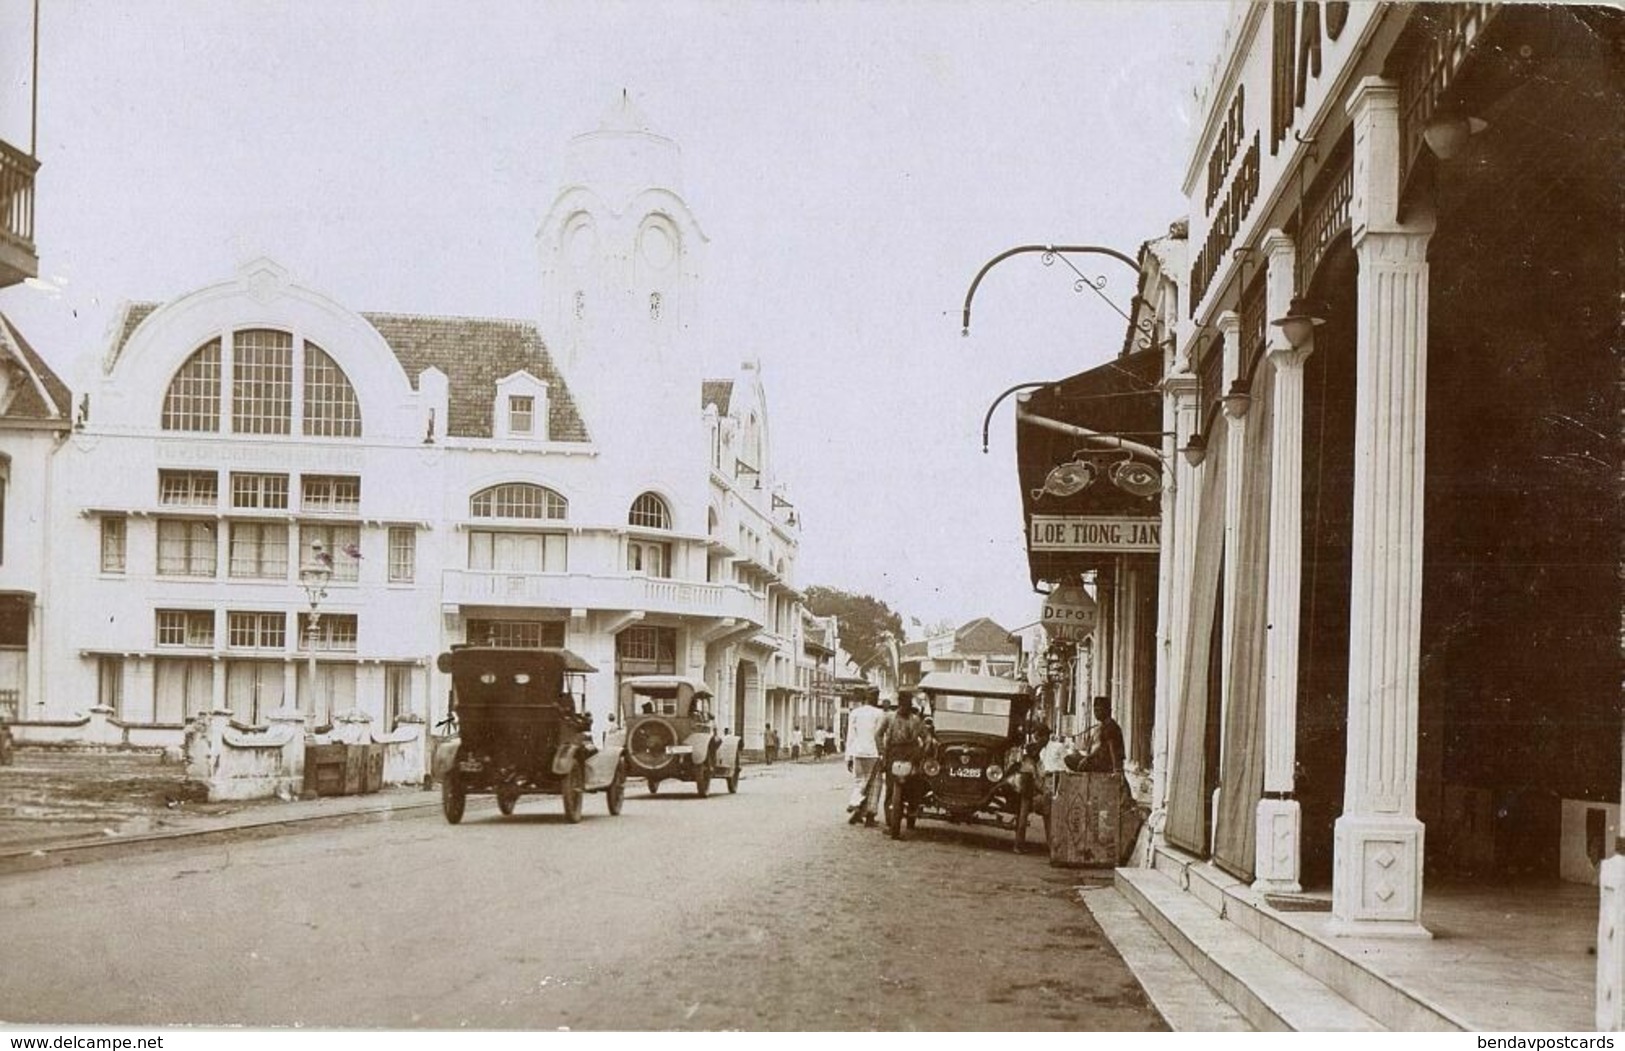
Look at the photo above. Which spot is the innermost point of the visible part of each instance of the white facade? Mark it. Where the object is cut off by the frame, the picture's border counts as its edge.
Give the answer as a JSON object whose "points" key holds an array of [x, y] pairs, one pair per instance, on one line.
{"points": [[468, 483]]}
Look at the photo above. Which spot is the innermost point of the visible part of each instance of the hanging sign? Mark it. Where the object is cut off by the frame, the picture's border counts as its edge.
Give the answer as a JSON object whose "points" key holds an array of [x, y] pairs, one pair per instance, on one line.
{"points": [[1068, 614], [1122, 534]]}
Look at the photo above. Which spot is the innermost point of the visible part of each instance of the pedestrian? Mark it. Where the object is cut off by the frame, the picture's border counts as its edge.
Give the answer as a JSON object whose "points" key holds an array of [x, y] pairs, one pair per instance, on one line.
{"points": [[795, 742], [900, 740], [1105, 752], [770, 744], [818, 743], [863, 758]]}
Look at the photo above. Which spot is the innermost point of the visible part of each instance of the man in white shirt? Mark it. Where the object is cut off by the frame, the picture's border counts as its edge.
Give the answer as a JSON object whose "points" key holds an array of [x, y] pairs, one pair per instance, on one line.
{"points": [[863, 758]]}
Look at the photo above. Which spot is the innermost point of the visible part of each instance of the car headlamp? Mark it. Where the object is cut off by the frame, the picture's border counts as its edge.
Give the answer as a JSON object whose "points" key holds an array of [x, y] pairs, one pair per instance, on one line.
{"points": [[931, 768], [995, 772]]}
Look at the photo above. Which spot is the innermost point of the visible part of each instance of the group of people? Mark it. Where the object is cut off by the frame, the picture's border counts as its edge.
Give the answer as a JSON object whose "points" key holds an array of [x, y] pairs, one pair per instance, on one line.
{"points": [[883, 747], [822, 743], [879, 746]]}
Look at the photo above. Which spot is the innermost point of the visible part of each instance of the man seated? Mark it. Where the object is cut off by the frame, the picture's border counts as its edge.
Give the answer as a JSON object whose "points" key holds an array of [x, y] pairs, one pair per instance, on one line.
{"points": [[1105, 752]]}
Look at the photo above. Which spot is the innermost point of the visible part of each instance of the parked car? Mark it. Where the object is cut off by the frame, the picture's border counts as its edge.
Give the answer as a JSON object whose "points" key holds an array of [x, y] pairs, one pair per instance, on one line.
{"points": [[521, 728], [977, 773], [672, 735]]}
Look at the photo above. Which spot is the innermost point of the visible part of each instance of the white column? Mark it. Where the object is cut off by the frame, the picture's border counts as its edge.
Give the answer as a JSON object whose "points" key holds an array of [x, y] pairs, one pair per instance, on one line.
{"points": [[1179, 390], [1611, 932], [1377, 879], [1235, 401], [1279, 836]]}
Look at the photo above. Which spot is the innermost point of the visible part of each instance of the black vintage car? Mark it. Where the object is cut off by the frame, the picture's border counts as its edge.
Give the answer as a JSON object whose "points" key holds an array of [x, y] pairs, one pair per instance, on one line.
{"points": [[976, 772], [522, 729]]}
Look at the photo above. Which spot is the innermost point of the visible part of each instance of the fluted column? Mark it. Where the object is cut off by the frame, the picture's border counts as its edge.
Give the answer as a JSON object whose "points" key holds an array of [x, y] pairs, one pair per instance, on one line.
{"points": [[1179, 390], [1279, 835], [1235, 404], [1377, 881]]}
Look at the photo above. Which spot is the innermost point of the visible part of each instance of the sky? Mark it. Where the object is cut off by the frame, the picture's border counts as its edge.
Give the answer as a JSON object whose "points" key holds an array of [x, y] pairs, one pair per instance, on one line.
{"points": [[852, 164]]}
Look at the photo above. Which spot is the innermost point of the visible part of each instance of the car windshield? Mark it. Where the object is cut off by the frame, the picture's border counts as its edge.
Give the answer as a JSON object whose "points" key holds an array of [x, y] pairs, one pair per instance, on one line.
{"points": [[964, 713]]}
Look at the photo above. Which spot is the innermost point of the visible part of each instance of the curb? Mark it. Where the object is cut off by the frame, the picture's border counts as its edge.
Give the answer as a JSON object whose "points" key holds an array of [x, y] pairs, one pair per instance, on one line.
{"points": [[26, 858]]}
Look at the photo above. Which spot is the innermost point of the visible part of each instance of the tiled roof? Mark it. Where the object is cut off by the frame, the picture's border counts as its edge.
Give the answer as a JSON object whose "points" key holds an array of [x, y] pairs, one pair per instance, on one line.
{"points": [[473, 353], [716, 392], [28, 404]]}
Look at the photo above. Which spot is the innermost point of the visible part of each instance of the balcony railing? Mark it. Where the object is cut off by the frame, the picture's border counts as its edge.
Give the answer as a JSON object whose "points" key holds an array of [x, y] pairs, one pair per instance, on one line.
{"points": [[18, 257], [475, 587]]}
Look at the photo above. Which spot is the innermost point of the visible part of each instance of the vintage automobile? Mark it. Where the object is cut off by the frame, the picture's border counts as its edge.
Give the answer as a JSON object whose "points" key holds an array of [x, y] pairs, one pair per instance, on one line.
{"points": [[521, 728], [978, 772], [671, 733]]}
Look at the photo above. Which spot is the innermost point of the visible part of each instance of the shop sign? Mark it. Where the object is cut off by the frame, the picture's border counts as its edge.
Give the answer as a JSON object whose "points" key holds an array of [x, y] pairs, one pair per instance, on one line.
{"points": [[1068, 614], [1119, 535]]}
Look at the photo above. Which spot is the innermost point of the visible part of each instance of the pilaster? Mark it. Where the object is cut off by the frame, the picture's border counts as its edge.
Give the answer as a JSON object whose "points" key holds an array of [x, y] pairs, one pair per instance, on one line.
{"points": [[1278, 847], [1235, 401], [1180, 390], [1377, 879]]}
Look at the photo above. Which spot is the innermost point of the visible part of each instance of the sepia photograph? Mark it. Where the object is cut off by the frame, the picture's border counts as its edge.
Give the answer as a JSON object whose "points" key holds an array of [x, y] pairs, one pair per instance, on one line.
{"points": [[810, 516]]}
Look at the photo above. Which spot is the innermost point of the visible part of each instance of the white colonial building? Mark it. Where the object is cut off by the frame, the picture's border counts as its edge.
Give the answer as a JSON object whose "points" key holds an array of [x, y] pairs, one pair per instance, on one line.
{"points": [[574, 483]]}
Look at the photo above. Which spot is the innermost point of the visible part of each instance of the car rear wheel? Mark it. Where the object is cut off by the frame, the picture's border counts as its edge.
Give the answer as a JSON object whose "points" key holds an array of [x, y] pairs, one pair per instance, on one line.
{"points": [[575, 786], [702, 781], [615, 795], [733, 778], [453, 799], [507, 799], [654, 786]]}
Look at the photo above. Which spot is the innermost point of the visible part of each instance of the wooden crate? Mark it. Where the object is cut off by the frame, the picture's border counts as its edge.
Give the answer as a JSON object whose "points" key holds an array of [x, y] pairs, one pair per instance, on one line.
{"points": [[1093, 821]]}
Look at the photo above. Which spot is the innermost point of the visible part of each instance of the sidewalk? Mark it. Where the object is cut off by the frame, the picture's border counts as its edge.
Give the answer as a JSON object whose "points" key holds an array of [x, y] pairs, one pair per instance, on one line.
{"points": [[63, 807]]}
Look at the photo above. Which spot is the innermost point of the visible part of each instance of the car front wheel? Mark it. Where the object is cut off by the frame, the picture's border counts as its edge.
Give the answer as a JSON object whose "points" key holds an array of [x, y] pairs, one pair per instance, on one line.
{"points": [[702, 781], [453, 799], [507, 799], [733, 778], [575, 786]]}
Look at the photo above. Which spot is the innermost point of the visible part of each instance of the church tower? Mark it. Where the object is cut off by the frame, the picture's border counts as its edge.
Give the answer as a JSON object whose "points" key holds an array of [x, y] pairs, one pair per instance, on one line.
{"points": [[620, 267]]}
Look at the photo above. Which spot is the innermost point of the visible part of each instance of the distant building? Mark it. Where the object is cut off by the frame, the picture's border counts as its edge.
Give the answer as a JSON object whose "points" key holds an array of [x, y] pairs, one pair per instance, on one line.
{"points": [[979, 647]]}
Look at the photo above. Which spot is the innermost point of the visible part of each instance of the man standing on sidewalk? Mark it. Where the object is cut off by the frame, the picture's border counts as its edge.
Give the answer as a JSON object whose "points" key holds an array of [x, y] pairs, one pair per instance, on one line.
{"points": [[863, 757]]}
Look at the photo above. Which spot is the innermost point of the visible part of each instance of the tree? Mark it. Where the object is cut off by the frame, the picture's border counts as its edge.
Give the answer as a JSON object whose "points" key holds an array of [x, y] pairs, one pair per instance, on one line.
{"points": [[864, 619]]}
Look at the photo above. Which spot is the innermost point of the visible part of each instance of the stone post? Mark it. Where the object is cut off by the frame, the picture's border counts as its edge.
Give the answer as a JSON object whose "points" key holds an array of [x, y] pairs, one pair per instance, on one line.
{"points": [[291, 779], [1377, 878], [1279, 836]]}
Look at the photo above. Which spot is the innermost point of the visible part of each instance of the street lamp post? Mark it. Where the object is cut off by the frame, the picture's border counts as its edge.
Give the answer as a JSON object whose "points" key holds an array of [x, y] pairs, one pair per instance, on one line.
{"points": [[314, 575]]}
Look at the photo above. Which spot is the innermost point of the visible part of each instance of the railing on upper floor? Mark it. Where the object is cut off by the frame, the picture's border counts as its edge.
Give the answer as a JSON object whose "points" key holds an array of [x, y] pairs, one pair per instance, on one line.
{"points": [[18, 257], [495, 587]]}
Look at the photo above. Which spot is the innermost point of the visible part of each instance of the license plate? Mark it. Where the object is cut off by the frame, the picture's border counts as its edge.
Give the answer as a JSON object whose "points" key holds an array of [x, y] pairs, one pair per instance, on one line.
{"points": [[469, 766], [965, 771], [679, 749]]}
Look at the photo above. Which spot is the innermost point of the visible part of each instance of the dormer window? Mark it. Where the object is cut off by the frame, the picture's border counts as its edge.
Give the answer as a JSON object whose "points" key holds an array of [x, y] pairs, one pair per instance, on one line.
{"points": [[520, 411]]}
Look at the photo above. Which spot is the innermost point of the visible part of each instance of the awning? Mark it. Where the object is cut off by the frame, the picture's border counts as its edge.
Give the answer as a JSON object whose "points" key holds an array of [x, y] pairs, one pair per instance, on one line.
{"points": [[1091, 499]]}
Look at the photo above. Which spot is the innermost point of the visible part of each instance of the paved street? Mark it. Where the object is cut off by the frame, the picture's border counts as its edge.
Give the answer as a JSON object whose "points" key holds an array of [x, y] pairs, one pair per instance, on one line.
{"points": [[762, 910]]}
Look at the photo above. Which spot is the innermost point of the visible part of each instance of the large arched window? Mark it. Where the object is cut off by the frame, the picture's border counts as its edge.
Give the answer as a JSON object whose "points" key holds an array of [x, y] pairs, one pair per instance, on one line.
{"points": [[518, 500], [505, 549], [262, 364], [650, 512]]}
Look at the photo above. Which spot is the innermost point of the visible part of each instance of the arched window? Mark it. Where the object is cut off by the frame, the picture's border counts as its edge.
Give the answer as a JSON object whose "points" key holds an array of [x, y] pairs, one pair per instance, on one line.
{"points": [[331, 408], [262, 364], [192, 402], [650, 512], [711, 521], [518, 500]]}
